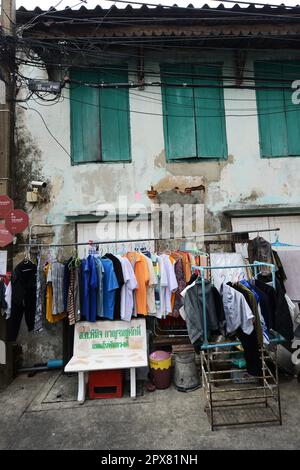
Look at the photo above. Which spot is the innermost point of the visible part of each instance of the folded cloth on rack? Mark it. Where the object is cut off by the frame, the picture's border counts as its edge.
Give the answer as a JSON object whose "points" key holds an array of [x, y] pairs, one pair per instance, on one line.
{"points": [[291, 264], [224, 275], [193, 307]]}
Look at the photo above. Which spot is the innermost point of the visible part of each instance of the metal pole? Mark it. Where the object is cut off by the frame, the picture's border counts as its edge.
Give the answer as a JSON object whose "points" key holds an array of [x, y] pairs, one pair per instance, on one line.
{"points": [[203, 305], [8, 22], [151, 239]]}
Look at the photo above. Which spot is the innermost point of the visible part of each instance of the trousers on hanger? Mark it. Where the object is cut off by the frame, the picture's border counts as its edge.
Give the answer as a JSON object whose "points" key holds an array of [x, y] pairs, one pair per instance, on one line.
{"points": [[23, 298]]}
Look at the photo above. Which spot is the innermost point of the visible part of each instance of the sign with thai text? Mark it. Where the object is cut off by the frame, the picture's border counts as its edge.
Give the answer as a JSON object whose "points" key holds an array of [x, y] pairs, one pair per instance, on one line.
{"points": [[6, 205], [105, 345], [16, 221], [5, 236]]}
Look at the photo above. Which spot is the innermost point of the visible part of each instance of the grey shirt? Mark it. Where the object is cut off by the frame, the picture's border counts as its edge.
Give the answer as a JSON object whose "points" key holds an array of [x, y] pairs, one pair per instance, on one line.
{"points": [[56, 276], [193, 307], [237, 311]]}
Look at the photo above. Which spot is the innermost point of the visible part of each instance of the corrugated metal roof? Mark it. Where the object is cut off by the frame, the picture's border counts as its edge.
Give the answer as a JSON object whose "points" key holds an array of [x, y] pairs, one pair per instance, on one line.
{"points": [[190, 10], [144, 21]]}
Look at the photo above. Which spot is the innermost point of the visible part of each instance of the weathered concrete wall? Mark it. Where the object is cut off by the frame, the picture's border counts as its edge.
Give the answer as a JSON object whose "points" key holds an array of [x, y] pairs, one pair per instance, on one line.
{"points": [[234, 181], [244, 179]]}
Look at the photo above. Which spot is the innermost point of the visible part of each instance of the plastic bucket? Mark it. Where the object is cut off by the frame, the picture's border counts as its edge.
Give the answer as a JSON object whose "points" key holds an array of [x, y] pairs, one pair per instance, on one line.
{"points": [[160, 369]]}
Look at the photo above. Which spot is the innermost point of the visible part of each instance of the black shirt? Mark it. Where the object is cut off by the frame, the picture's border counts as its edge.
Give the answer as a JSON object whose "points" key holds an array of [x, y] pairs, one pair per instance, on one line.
{"points": [[119, 275]]}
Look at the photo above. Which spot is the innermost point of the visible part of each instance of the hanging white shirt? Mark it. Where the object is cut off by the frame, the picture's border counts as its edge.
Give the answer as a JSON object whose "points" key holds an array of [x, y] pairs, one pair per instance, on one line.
{"points": [[130, 284], [8, 291], [172, 284]]}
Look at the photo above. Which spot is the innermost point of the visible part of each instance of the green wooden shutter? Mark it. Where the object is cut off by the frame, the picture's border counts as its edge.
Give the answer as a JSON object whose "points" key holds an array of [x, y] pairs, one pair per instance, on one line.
{"points": [[271, 115], [210, 113], [178, 112], [85, 122], [114, 116], [291, 72]]}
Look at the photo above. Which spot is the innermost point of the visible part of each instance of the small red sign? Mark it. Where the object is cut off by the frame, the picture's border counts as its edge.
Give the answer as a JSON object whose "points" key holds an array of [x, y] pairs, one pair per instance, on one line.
{"points": [[6, 205], [16, 221], [5, 236]]}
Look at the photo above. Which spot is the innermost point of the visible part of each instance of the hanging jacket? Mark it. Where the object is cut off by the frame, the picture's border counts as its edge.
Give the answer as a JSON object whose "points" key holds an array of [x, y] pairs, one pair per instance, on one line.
{"points": [[193, 307], [282, 320], [260, 249]]}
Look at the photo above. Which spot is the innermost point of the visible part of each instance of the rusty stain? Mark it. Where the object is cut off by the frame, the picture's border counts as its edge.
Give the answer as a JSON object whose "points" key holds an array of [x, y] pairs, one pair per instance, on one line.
{"points": [[194, 188], [178, 183], [152, 193]]}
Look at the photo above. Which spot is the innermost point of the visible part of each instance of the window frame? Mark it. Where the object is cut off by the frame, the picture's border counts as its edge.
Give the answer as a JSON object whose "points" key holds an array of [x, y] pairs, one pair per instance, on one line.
{"points": [[100, 161], [198, 157]]}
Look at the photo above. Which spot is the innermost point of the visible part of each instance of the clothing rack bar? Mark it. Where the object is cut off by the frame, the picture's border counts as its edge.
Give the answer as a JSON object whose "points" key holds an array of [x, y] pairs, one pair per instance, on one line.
{"points": [[146, 239]]}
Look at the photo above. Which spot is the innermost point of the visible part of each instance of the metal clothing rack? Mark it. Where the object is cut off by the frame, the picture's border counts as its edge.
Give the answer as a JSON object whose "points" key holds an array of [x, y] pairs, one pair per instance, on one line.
{"points": [[230, 404], [171, 327]]}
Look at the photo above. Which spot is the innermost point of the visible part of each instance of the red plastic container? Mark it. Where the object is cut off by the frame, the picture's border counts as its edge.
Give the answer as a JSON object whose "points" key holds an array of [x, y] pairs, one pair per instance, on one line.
{"points": [[106, 384]]}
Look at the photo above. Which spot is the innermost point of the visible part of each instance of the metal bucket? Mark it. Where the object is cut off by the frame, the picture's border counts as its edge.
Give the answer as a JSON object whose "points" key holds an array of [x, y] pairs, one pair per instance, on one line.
{"points": [[186, 376]]}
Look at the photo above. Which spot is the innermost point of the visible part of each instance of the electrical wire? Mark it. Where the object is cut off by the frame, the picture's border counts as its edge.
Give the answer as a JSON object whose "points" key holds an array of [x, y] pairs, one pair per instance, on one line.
{"points": [[46, 126], [177, 74], [281, 111], [29, 23]]}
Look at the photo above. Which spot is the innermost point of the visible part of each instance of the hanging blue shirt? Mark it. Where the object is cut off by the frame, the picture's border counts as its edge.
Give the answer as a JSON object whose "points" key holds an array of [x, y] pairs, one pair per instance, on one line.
{"points": [[93, 285], [250, 287], [110, 284], [90, 287], [85, 275], [100, 271]]}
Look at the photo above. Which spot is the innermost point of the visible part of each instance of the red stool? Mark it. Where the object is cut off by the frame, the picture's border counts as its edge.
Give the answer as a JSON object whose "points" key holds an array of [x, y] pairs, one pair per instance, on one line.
{"points": [[106, 384]]}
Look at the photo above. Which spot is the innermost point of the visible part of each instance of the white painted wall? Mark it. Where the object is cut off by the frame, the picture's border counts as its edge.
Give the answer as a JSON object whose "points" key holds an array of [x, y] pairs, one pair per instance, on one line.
{"points": [[83, 187]]}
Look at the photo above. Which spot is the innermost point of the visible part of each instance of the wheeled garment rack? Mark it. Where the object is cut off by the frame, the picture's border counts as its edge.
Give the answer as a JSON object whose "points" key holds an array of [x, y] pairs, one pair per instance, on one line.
{"points": [[248, 401]]}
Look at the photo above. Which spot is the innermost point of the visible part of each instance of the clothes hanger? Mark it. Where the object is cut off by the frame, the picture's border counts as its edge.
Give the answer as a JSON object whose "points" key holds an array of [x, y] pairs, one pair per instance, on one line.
{"points": [[279, 243]]}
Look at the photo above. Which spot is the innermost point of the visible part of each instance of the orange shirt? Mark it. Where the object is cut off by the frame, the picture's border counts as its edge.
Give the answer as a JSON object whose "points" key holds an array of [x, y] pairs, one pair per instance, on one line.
{"points": [[49, 317], [186, 266], [172, 259], [141, 271]]}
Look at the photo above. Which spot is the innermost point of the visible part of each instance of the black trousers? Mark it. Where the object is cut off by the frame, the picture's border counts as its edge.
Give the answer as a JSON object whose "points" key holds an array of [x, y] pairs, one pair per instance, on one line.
{"points": [[251, 352], [26, 308]]}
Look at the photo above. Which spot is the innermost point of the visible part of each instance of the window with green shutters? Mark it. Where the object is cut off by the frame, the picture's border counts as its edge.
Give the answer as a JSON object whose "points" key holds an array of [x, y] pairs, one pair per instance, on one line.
{"points": [[194, 118], [278, 117], [100, 125]]}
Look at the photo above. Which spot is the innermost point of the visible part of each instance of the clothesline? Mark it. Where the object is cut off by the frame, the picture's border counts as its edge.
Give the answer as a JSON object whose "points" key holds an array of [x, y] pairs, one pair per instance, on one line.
{"points": [[95, 242]]}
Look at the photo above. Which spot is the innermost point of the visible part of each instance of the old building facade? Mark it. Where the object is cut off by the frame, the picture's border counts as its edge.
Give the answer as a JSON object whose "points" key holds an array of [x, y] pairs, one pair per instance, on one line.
{"points": [[199, 110]]}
